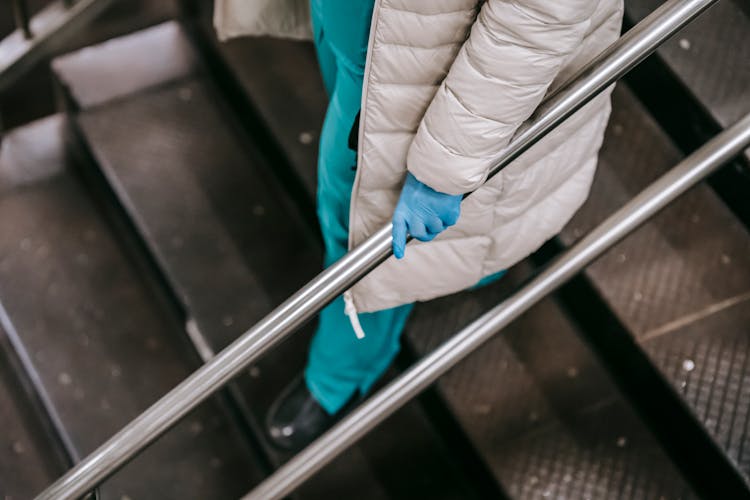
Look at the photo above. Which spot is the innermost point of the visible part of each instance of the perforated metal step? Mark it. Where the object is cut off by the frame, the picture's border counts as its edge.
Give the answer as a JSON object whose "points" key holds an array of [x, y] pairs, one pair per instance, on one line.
{"points": [[681, 283], [529, 400]]}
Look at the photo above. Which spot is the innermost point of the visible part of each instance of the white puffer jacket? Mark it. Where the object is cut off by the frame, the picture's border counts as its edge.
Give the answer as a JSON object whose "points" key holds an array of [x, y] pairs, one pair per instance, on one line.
{"points": [[447, 84]]}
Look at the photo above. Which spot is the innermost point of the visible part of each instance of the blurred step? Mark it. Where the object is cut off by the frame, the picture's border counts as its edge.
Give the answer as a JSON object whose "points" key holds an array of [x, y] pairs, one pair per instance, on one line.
{"points": [[32, 97], [99, 343], [230, 245], [540, 408], [681, 284], [79, 72], [27, 458], [280, 83]]}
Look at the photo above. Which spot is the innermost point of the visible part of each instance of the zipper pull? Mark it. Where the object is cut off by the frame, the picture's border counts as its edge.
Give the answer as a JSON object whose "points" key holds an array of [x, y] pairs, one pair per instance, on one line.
{"points": [[351, 311]]}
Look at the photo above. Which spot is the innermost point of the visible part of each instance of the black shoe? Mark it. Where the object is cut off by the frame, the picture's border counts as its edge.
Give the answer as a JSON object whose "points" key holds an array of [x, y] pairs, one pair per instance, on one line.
{"points": [[296, 418]]}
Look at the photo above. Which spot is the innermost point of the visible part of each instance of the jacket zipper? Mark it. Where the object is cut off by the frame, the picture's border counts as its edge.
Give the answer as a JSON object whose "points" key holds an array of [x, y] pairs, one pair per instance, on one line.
{"points": [[350, 309], [362, 118]]}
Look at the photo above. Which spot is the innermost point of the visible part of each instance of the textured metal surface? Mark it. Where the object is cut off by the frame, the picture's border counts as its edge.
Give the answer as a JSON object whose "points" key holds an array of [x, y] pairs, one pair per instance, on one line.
{"points": [[710, 57], [527, 400], [512, 359], [231, 249], [404, 456], [688, 260], [679, 281], [102, 350], [282, 80], [602, 453], [707, 361], [26, 462]]}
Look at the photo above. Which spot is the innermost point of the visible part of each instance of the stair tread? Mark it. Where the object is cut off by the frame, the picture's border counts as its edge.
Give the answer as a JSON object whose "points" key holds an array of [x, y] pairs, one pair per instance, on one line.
{"points": [[26, 464], [689, 263], [197, 197], [102, 348], [199, 205], [33, 96], [602, 453], [282, 80], [526, 399], [710, 57], [706, 362], [668, 268], [93, 75]]}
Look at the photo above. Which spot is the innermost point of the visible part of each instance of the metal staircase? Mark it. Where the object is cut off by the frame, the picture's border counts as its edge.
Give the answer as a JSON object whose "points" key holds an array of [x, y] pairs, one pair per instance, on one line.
{"points": [[164, 210]]}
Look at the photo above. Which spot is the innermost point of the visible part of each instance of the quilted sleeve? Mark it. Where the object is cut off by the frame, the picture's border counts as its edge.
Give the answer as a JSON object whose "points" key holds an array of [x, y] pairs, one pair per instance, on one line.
{"points": [[502, 72]]}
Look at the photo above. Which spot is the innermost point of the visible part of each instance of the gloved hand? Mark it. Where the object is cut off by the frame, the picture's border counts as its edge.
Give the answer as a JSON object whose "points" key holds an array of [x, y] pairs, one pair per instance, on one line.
{"points": [[422, 212]]}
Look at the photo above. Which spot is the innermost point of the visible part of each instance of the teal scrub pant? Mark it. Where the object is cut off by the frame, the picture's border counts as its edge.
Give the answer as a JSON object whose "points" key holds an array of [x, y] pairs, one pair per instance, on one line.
{"points": [[339, 364]]}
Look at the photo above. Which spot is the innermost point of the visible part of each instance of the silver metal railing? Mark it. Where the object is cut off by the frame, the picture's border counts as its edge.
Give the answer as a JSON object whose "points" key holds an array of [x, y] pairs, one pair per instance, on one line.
{"points": [[380, 406], [34, 36], [623, 55]]}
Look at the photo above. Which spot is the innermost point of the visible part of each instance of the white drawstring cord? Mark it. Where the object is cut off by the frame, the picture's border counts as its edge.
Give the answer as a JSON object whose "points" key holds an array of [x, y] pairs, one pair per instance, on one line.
{"points": [[351, 311]]}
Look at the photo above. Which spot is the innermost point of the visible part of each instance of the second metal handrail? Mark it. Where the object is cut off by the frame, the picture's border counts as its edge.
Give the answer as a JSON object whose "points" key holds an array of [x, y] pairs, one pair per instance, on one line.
{"points": [[624, 54]]}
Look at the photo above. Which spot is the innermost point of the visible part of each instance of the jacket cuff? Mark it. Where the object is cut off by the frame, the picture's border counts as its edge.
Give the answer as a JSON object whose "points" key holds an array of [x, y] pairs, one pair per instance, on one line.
{"points": [[443, 170]]}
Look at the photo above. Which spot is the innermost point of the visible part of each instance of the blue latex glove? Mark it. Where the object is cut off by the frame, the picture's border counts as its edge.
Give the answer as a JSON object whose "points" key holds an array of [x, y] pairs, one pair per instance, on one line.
{"points": [[422, 212]]}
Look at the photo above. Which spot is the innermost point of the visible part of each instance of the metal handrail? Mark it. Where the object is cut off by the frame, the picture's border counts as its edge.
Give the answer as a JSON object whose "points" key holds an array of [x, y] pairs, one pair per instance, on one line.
{"points": [[623, 55], [388, 400]]}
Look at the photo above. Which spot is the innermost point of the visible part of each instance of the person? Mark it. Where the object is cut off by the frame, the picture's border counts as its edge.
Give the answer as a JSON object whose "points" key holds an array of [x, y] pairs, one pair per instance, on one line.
{"points": [[423, 96]]}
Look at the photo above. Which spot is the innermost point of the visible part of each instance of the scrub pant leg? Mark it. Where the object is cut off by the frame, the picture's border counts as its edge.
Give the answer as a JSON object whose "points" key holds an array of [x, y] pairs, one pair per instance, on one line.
{"points": [[339, 364]]}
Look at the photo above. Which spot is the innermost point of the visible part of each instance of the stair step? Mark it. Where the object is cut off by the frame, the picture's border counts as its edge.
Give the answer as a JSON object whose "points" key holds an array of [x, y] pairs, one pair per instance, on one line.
{"points": [[219, 231], [231, 245], [281, 82], [681, 283], [99, 343], [32, 96], [710, 58], [602, 453], [528, 397], [93, 75], [27, 461], [31, 457]]}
